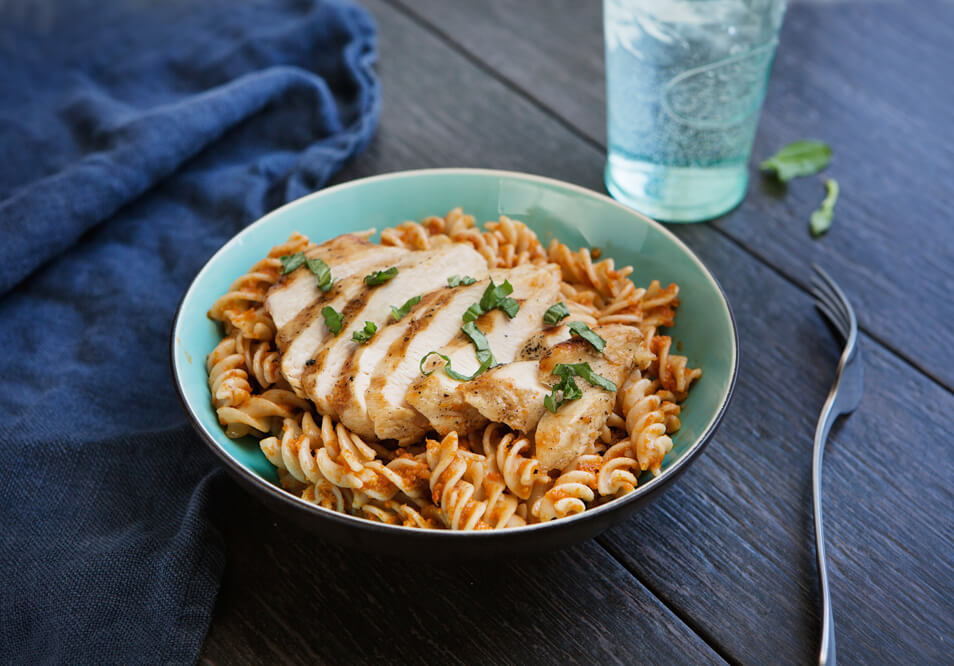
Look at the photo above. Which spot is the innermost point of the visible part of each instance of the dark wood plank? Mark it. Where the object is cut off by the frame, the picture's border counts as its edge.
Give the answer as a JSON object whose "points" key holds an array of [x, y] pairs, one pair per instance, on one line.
{"points": [[731, 544], [289, 598], [874, 79], [729, 547]]}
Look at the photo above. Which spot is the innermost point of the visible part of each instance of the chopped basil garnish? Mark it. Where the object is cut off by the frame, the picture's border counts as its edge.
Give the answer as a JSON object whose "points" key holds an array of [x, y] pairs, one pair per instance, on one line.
{"points": [[556, 313], [510, 307], [494, 296], [473, 312], [585, 332], [821, 218], [380, 277], [457, 280], [448, 370], [332, 319], [322, 272], [567, 389], [362, 336], [291, 262], [584, 371], [398, 313], [484, 355]]}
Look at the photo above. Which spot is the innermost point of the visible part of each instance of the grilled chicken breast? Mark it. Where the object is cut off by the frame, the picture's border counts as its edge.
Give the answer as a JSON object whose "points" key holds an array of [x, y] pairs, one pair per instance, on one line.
{"points": [[301, 337], [418, 273], [376, 388], [441, 399], [567, 434], [345, 255], [349, 396], [393, 416], [512, 394]]}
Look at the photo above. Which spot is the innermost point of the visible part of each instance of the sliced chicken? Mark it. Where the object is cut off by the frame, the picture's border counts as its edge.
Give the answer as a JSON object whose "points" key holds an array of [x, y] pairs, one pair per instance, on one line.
{"points": [[349, 396], [562, 437], [393, 417], [512, 394], [418, 273], [345, 255], [440, 398], [534, 347], [301, 337]]}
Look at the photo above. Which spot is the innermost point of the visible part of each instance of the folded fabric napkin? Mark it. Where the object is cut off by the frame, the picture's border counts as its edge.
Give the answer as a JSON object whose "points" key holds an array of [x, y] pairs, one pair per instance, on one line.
{"points": [[135, 138]]}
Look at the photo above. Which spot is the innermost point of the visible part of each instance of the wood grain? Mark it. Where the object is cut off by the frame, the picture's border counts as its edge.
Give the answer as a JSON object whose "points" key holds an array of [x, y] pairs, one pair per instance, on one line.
{"points": [[873, 79], [727, 551], [290, 598], [731, 543]]}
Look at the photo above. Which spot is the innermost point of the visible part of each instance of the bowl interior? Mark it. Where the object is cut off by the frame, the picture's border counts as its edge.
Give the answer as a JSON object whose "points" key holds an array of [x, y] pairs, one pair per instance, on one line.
{"points": [[704, 328]]}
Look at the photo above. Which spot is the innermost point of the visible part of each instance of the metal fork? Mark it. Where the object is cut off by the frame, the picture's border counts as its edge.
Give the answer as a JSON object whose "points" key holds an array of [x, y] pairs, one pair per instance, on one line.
{"points": [[843, 398]]}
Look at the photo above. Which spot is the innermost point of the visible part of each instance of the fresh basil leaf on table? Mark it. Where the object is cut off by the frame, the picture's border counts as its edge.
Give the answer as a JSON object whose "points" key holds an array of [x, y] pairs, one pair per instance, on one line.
{"points": [[799, 158], [822, 218]]}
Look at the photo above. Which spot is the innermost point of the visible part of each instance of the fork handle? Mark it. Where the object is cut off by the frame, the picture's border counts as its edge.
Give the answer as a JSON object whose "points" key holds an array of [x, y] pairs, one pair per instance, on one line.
{"points": [[826, 655]]}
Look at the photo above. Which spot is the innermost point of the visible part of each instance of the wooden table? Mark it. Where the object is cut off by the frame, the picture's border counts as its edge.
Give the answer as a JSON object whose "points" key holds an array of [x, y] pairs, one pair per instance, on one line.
{"points": [[722, 567]]}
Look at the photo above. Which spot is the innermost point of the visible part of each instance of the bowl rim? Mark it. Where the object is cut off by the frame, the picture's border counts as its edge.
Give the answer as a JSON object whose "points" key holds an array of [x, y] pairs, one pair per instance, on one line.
{"points": [[344, 519]]}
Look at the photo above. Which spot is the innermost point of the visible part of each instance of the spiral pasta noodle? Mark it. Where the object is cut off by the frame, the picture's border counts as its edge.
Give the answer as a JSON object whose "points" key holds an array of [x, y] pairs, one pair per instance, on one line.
{"points": [[489, 479]]}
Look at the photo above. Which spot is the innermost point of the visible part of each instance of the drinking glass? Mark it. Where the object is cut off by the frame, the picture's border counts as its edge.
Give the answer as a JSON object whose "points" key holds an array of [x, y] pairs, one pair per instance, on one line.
{"points": [[685, 80]]}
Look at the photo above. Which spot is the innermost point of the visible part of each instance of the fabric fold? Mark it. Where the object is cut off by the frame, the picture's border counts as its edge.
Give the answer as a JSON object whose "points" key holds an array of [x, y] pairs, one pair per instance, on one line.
{"points": [[135, 139]]}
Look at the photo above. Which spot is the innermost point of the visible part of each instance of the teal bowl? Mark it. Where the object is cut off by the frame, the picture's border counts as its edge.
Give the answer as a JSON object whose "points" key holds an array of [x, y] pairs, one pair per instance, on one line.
{"points": [[578, 217]]}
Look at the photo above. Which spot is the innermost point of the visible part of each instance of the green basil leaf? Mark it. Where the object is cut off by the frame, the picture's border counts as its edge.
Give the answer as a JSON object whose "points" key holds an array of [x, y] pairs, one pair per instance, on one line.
{"points": [[322, 272], [585, 332], [567, 389], [457, 280], [398, 313], [799, 158], [584, 371], [472, 313], [494, 294], [332, 319], [822, 218], [427, 356], [380, 277], [556, 313], [587, 373], [484, 355], [510, 307], [449, 371], [362, 336], [291, 262]]}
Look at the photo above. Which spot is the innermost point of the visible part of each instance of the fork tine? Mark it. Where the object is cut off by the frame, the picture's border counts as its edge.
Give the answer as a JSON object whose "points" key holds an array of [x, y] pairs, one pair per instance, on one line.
{"points": [[834, 308], [842, 299], [831, 296], [835, 319]]}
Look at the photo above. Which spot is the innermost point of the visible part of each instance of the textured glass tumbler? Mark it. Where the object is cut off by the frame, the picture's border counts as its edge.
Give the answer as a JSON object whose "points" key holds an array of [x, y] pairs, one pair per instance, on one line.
{"points": [[685, 80]]}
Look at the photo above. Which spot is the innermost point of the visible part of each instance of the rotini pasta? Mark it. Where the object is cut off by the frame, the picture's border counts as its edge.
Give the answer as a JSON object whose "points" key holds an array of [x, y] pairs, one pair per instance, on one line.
{"points": [[488, 478]]}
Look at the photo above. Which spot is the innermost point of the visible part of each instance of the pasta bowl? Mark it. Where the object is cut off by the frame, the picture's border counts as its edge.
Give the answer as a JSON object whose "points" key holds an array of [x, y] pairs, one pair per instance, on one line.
{"points": [[704, 329]]}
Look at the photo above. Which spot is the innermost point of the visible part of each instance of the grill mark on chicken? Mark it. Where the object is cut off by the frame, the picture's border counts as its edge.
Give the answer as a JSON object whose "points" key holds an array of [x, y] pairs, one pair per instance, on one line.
{"points": [[393, 417], [344, 255], [349, 396], [419, 273], [438, 397]]}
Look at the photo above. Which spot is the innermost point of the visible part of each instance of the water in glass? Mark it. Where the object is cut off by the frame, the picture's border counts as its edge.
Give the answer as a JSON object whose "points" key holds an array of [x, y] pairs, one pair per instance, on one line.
{"points": [[685, 83]]}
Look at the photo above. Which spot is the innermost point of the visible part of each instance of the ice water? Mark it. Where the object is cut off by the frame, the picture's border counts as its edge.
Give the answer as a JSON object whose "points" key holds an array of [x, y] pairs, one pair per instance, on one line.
{"points": [[685, 82]]}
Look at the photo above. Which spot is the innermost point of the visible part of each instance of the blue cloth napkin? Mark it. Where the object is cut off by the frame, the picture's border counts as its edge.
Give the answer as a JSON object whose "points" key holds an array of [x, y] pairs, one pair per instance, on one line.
{"points": [[135, 138]]}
